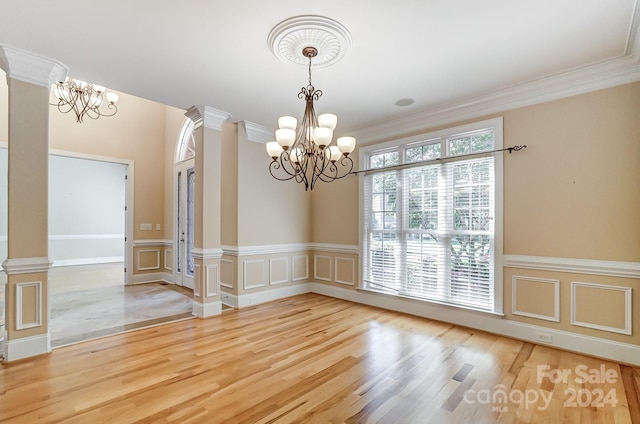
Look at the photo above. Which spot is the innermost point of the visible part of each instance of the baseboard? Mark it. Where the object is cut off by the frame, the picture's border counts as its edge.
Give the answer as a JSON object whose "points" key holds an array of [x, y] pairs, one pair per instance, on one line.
{"points": [[26, 347], [592, 346], [152, 277], [250, 299], [204, 310]]}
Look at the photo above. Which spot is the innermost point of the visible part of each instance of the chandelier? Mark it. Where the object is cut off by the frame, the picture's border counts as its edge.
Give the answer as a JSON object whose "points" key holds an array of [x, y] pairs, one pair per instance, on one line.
{"points": [[84, 99], [304, 152]]}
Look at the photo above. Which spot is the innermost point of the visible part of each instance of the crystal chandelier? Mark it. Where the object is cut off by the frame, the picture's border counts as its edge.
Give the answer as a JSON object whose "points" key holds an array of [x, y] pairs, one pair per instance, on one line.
{"points": [[84, 99], [304, 152]]}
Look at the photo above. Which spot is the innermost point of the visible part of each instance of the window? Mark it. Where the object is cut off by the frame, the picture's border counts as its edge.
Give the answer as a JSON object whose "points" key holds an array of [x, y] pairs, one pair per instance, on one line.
{"points": [[432, 225], [186, 146]]}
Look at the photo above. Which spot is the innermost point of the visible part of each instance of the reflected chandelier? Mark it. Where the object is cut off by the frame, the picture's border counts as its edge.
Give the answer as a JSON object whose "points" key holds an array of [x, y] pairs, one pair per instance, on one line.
{"points": [[304, 152], [84, 99]]}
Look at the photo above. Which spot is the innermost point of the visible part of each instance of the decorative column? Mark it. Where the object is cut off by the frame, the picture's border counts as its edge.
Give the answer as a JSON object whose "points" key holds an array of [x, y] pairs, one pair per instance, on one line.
{"points": [[29, 78], [207, 250]]}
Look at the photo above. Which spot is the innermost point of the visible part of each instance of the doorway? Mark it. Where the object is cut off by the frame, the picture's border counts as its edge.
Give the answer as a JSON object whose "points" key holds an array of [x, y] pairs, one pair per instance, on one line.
{"points": [[184, 233]]}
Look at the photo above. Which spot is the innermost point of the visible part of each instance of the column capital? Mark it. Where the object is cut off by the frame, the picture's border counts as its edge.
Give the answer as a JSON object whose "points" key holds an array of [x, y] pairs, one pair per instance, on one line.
{"points": [[258, 133], [30, 67], [207, 116]]}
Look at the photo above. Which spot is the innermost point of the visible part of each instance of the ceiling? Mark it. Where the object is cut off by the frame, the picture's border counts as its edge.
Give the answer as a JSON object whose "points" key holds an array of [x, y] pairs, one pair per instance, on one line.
{"points": [[439, 53]]}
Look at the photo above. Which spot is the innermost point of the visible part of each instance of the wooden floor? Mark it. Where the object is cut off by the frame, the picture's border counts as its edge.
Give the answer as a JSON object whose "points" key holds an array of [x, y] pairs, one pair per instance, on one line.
{"points": [[311, 358]]}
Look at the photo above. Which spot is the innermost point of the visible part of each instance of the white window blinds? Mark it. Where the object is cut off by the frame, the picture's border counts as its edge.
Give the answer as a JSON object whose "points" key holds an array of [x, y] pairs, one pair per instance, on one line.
{"points": [[429, 228]]}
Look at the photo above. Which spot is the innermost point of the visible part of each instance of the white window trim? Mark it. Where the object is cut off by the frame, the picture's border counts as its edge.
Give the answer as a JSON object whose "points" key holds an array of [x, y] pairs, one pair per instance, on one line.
{"points": [[497, 125]]}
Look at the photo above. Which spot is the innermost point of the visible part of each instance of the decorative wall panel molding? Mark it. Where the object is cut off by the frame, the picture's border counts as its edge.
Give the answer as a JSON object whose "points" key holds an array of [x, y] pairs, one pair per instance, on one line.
{"points": [[21, 289], [168, 259], [276, 264], [543, 282], [300, 268], [212, 280], [347, 265], [322, 267], [255, 273], [226, 273], [26, 265], [579, 308], [147, 252], [197, 280]]}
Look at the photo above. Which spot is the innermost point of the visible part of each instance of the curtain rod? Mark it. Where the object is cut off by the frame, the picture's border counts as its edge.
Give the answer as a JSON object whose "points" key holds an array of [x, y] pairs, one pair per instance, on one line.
{"points": [[448, 159]]}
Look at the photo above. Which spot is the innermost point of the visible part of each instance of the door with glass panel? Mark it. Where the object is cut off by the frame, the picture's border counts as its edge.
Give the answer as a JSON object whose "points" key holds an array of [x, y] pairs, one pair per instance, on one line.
{"points": [[185, 179]]}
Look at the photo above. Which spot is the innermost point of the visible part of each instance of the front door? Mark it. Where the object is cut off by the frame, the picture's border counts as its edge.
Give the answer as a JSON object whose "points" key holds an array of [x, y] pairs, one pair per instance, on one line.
{"points": [[184, 223]]}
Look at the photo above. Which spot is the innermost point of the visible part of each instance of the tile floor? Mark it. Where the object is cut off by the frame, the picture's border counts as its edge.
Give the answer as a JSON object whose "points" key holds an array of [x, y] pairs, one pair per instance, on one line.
{"points": [[90, 301]]}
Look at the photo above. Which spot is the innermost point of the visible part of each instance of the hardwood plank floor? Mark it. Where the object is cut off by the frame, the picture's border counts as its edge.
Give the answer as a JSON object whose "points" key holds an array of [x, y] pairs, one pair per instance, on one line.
{"points": [[314, 359]]}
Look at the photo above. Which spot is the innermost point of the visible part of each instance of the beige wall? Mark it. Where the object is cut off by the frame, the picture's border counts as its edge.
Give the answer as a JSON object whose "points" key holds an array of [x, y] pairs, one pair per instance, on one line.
{"points": [[173, 121], [135, 133], [4, 108], [269, 211]]}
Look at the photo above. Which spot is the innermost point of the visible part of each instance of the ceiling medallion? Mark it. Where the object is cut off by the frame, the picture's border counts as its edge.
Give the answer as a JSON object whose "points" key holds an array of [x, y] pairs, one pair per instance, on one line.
{"points": [[288, 39]]}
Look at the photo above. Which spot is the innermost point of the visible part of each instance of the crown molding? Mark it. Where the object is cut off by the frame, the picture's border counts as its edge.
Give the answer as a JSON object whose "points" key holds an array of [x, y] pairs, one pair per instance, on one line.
{"points": [[258, 133], [29, 67], [598, 76], [207, 116]]}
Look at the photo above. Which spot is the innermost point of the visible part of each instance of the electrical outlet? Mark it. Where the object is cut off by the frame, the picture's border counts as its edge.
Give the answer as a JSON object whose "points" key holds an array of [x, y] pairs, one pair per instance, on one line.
{"points": [[544, 338]]}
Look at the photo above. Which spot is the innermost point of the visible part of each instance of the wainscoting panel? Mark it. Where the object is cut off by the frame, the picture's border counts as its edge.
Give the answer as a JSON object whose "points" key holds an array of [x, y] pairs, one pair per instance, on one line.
{"points": [[168, 259], [255, 273], [196, 280], [213, 278], [587, 301], [300, 268], [148, 259], [322, 267], [345, 271], [536, 297], [226, 273], [28, 312], [278, 270]]}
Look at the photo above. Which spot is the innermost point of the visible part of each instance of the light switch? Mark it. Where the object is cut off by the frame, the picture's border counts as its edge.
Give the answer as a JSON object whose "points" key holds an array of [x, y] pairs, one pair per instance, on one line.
{"points": [[146, 227], [158, 227]]}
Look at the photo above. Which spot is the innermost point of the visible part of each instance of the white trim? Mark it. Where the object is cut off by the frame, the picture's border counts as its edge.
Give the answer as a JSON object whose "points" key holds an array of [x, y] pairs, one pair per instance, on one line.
{"points": [[250, 299], [578, 266], [148, 268], [353, 271], [26, 347], [594, 346], [87, 261], [31, 68], [556, 299], [167, 263], [207, 116], [229, 250], [26, 265], [209, 309], [258, 133], [206, 253], [229, 299], [286, 272], [293, 268], [599, 76], [335, 248], [196, 280], [153, 243], [627, 308], [151, 277], [212, 271], [223, 284], [264, 273], [38, 306], [315, 267]]}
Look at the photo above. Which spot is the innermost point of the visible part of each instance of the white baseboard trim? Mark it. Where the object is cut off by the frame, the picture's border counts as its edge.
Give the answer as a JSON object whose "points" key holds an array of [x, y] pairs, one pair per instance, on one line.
{"points": [[229, 299], [593, 346], [152, 277], [26, 347], [579, 266], [250, 299], [204, 310], [87, 261]]}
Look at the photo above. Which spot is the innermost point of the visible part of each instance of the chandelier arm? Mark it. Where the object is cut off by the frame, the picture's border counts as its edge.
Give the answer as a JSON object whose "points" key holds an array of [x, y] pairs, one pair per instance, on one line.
{"points": [[345, 161]]}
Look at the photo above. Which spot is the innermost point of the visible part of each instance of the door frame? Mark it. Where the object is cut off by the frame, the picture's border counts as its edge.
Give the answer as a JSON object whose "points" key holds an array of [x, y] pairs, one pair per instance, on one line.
{"points": [[182, 166]]}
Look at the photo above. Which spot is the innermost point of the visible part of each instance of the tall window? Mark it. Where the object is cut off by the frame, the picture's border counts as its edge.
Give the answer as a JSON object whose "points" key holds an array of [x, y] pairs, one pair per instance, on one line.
{"points": [[186, 146], [432, 225]]}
